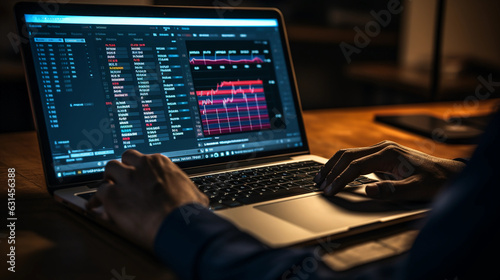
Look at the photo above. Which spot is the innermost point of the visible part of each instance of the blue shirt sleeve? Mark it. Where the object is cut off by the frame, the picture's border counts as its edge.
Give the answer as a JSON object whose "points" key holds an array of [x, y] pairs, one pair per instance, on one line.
{"points": [[460, 238], [197, 244]]}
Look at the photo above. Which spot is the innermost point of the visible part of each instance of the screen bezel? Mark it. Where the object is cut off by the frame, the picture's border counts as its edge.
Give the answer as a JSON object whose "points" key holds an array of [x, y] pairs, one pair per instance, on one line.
{"points": [[23, 8]]}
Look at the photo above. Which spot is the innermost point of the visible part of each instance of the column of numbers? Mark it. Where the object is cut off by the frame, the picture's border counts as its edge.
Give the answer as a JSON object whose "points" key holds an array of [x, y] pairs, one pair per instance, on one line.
{"points": [[48, 67]]}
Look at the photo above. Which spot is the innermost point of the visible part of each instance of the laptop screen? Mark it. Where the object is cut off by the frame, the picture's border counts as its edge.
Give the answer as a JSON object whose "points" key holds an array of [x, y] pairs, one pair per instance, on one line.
{"points": [[198, 90]]}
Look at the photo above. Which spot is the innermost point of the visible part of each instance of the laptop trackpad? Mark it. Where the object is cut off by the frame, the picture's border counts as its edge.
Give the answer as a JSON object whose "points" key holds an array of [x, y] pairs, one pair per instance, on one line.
{"points": [[318, 214]]}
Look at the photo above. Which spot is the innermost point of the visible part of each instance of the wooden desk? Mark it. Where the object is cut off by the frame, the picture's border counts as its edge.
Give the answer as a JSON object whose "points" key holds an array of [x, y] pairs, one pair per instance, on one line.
{"points": [[334, 129], [52, 242]]}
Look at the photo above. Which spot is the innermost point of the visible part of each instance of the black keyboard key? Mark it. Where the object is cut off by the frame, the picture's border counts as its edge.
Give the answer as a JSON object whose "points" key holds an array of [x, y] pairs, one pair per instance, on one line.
{"points": [[264, 183], [301, 176], [237, 195], [198, 181], [212, 194], [280, 181], [254, 185], [244, 188], [247, 180], [219, 198], [289, 185], [231, 203], [235, 183], [311, 187], [276, 187], [247, 193], [365, 180], [261, 190], [206, 187], [228, 190], [269, 195], [311, 163], [271, 186]]}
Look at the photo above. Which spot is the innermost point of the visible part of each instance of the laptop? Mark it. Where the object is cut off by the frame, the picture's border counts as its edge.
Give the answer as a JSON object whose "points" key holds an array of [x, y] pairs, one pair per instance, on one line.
{"points": [[211, 88]]}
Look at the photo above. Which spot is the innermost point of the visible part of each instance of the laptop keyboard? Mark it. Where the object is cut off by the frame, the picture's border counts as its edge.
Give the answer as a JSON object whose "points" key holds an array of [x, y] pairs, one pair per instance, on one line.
{"points": [[232, 189], [236, 188]]}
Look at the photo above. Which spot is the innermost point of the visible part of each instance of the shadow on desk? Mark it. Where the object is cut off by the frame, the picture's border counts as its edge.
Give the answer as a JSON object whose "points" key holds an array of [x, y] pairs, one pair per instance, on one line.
{"points": [[367, 205]]}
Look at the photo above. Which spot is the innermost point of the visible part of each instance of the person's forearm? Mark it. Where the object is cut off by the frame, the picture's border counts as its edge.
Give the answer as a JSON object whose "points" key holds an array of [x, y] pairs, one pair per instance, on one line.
{"points": [[198, 244]]}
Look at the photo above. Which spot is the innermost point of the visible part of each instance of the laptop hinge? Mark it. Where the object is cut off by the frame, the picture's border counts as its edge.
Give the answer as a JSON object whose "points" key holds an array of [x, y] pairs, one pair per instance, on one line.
{"points": [[233, 165]]}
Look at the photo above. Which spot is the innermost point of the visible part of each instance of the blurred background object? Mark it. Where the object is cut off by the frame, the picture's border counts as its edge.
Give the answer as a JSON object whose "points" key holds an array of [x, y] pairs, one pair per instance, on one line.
{"points": [[346, 52]]}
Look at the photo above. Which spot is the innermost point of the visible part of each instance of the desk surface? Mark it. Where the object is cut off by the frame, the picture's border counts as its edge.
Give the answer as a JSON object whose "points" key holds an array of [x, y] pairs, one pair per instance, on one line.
{"points": [[55, 243]]}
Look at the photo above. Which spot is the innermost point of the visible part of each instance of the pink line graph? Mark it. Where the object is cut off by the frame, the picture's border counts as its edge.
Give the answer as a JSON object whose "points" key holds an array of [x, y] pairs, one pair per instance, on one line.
{"points": [[234, 119], [222, 61], [234, 106]]}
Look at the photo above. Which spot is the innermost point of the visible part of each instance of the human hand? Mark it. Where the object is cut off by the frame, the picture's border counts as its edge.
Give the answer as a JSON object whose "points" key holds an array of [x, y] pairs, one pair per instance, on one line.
{"points": [[139, 192], [411, 175]]}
